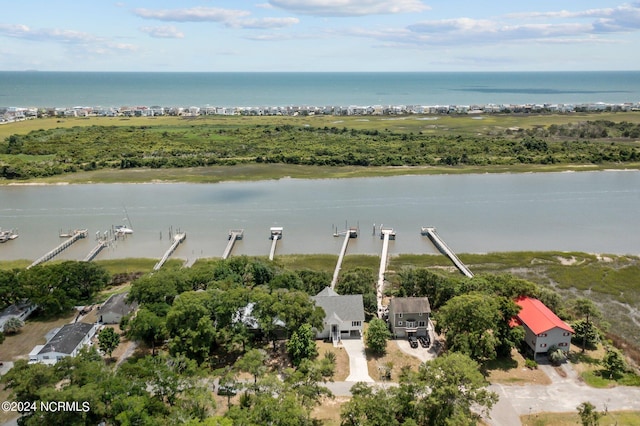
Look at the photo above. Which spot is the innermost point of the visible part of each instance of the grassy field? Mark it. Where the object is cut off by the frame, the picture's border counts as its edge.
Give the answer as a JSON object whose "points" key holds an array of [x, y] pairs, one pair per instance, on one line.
{"points": [[437, 124], [620, 418]]}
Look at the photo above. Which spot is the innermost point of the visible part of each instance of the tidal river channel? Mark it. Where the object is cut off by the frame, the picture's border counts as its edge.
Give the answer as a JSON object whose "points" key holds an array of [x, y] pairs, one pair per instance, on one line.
{"points": [[596, 212]]}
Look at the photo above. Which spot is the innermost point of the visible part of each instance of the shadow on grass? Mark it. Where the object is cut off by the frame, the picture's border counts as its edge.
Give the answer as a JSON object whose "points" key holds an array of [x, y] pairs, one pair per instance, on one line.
{"points": [[503, 364]]}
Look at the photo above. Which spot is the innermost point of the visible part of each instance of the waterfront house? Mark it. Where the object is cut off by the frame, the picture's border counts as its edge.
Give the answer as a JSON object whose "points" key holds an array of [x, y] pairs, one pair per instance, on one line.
{"points": [[543, 328], [67, 341], [409, 316], [116, 306], [344, 315]]}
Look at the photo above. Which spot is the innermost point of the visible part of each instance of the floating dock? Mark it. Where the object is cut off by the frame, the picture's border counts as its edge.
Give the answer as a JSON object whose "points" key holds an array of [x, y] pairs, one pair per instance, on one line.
{"points": [[276, 234], [348, 234], [386, 234], [234, 235], [444, 249], [73, 237], [177, 239]]}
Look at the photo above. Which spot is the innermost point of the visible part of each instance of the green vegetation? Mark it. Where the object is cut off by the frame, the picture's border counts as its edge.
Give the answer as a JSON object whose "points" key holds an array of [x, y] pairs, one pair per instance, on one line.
{"points": [[376, 336], [431, 396], [374, 145], [55, 288], [621, 418]]}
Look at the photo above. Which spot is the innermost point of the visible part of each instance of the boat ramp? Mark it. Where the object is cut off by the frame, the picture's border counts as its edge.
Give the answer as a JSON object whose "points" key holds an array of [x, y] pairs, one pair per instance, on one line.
{"points": [[444, 249]]}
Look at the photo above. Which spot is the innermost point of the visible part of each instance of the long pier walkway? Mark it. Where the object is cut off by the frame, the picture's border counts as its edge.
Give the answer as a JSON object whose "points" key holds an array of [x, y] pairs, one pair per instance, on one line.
{"points": [[97, 249], [276, 234], [177, 239], [75, 236], [444, 249], [386, 234], [234, 234], [348, 234]]}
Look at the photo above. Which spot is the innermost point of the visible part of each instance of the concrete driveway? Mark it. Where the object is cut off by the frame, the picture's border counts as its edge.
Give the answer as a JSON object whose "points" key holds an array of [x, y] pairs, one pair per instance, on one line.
{"points": [[358, 370]]}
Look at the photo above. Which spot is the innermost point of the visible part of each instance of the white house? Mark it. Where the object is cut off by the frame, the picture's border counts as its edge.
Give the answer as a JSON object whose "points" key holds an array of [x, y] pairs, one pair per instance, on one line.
{"points": [[66, 342], [543, 328], [344, 315]]}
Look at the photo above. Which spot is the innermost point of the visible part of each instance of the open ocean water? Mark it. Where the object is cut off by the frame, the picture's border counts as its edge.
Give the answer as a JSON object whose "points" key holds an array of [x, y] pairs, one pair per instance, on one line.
{"points": [[67, 89]]}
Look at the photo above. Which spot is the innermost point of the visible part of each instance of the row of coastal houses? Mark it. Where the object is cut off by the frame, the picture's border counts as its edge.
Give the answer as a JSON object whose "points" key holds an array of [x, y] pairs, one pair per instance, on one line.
{"points": [[344, 319], [11, 114]]}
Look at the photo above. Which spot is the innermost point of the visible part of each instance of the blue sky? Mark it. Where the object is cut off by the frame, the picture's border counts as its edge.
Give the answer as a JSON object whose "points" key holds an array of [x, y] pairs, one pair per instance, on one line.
{"points": [[319, 35]]}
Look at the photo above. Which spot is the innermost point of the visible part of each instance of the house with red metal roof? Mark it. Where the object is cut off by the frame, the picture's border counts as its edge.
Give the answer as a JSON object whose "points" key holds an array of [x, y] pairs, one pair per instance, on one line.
{"points": [[543, 328]]}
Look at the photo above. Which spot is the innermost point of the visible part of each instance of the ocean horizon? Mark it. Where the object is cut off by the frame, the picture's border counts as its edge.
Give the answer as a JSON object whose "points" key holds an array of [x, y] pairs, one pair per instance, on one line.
{"points": [[250, 89]]}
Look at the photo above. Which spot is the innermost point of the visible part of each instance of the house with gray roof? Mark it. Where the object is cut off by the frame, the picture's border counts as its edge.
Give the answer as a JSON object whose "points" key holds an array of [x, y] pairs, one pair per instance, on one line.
{"points": [[116, 306], [344, 315], [21, 310], [67, 341], [409, 316]]}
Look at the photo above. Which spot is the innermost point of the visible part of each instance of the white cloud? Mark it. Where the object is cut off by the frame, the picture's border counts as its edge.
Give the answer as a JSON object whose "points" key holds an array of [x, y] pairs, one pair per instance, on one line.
{"points": [[350, 7], [265, 23], [168, 31], [196, 14], [79, 41]]}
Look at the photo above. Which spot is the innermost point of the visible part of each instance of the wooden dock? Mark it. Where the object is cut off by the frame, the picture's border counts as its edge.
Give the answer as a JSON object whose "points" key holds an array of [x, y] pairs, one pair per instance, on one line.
{"points": [[234, 235], [348, 234], [97, 249], [386, 234], [177, 239], [444, 249], [73, 237], [276, 234]]}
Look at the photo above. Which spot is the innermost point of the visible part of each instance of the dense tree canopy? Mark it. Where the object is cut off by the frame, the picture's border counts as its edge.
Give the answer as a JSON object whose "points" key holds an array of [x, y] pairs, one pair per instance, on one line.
{"points": [[442, 392], [55, 288], [51, 152]]}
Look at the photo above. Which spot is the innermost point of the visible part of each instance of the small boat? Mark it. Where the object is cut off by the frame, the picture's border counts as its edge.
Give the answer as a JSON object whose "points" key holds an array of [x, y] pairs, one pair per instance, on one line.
{"points": [[124, 229], [8, 235], [121, 229]]}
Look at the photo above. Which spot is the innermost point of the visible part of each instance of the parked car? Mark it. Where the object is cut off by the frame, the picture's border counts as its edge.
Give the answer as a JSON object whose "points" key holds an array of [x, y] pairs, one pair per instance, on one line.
{"points": [[413, 341], [227, 390], [424, 341]]}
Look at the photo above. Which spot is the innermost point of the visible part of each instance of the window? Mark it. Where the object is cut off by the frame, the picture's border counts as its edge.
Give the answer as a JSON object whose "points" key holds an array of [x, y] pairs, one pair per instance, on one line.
{"points": [[543, 345], [422, 324], [356, 324], [411, 324], [563, 344], [542, 335], [400, 315], [400, 323], [566, 333], [420, 314]]}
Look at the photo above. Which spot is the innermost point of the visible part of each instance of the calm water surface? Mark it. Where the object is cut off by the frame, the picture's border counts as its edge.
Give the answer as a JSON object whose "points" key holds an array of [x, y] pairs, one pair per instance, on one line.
{"points": [[594, 212]]}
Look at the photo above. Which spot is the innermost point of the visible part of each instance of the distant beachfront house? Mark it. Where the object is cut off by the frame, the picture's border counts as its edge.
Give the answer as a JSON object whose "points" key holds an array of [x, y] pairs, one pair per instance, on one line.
{"points": [[116, 307], [21, 310], [409, 316], [67, 341], [543, 328], [344, 315]]}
